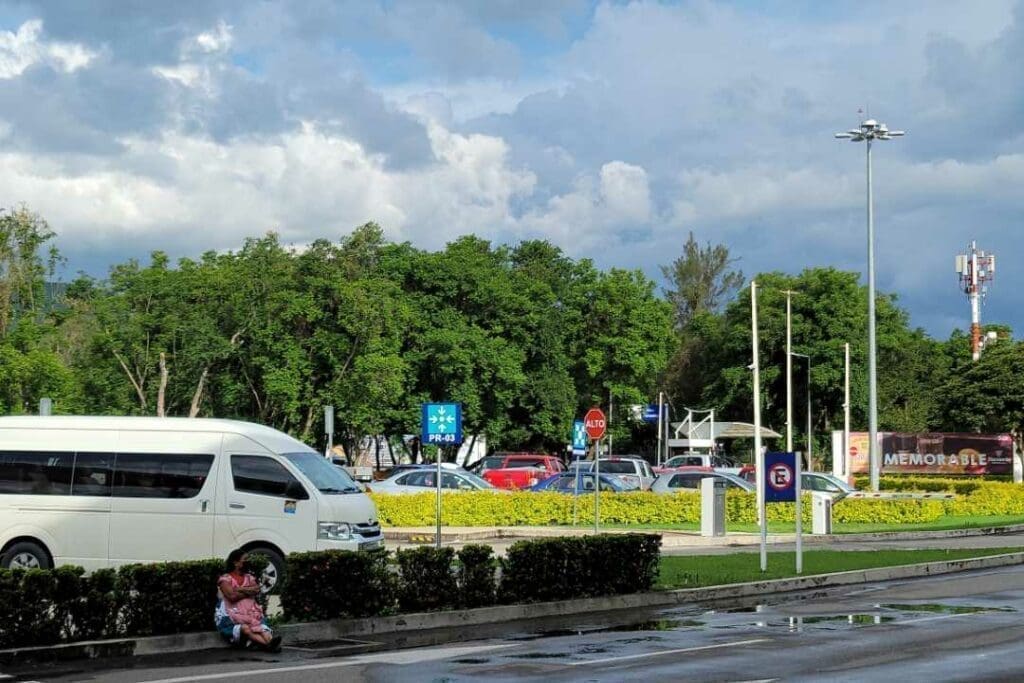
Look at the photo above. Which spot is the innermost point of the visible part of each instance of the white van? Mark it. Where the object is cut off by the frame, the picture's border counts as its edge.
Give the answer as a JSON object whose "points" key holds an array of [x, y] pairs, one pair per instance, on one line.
{"points": [[105, 491]]}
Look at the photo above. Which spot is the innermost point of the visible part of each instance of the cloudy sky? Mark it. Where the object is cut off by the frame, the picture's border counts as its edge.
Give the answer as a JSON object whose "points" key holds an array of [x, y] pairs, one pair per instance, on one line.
{"points": [[609, 128]]}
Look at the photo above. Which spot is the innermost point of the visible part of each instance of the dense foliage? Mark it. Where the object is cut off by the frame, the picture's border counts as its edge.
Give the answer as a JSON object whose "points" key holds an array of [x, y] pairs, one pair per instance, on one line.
{"points": [[523, 336]]}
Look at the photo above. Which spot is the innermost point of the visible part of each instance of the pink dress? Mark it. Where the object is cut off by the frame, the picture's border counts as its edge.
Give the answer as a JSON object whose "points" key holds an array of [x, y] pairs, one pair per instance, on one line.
{"points": [[244, 612]]}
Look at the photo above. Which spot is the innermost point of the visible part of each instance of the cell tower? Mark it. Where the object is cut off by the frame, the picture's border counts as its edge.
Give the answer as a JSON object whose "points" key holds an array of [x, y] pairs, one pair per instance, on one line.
{"points": [[976, 269]]}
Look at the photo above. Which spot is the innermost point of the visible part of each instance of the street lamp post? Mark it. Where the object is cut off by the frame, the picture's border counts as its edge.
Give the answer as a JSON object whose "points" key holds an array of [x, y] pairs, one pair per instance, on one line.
{"points": [[869, 131], [810, 432]]}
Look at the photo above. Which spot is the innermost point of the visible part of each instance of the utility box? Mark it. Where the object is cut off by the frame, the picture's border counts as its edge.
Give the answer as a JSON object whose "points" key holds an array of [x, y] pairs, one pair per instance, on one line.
{"points": [[821, 513], [712, 506]]}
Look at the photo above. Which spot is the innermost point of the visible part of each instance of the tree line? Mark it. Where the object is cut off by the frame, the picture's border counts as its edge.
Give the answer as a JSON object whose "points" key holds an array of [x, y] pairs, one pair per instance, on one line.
{"points": [[525, 337]]}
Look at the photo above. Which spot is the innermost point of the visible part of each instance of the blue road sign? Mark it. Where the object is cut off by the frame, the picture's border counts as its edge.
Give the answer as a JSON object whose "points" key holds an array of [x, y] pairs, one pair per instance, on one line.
{"points": [[442, 424], [651, 412], [779, 477], [579, 438]]}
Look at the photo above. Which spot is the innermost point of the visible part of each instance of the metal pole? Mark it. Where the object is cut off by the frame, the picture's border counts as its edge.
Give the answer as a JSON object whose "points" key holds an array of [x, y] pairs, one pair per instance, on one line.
{"points": [[437, 539], [759, 468], [611, 409], [657, 458], [810, 424], [872, 370], [597, 487], [789, 374], [846, 416], [799, 518]]}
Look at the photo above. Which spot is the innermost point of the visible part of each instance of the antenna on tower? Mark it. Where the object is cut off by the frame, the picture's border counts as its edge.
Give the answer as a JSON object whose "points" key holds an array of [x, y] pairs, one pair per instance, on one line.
{"points": [[976, 270]]}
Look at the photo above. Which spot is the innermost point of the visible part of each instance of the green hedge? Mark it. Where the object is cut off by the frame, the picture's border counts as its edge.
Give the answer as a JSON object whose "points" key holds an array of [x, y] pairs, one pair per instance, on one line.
{"points": [[543, 509], [582, 566], [426, 579], [476, 572], [332, 584], [169, 597]]}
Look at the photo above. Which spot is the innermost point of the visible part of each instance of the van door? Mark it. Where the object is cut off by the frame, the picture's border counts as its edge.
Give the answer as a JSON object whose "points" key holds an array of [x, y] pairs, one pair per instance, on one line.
{"points": [[266, 503], [162, 506]]}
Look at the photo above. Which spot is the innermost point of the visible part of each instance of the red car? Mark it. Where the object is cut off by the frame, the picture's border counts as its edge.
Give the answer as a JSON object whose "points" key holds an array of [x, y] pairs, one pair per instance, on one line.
{"points": [[519, 471]]}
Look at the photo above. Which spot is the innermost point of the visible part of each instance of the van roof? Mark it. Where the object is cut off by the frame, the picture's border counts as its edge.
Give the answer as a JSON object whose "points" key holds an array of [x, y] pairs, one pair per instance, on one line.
{"points": [[271, 438]]}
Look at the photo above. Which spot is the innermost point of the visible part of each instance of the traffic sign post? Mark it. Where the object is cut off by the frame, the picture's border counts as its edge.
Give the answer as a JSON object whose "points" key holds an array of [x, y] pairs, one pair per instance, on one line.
{"points": [[579, 449], [595, 423], [442, 426], [782, 485]]}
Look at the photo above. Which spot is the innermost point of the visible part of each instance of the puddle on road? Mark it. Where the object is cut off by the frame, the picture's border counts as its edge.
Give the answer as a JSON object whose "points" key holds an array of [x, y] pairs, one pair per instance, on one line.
{"points": [[471, 660], [651, 625], [852, 619], [940, 608], [538, 655]]}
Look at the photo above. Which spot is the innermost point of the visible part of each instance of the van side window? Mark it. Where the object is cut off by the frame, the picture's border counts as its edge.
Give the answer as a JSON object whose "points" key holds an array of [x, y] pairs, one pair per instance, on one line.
{"points": [[93, 474], [160, 475], [265, 476], [37, 473]]}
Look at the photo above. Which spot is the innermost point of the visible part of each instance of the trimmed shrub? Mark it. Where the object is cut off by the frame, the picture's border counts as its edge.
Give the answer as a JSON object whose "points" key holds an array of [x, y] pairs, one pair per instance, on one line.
{"points": [[544, 509], [574, 567], [332, 584], [169, 597], [475, 576], [426, 580]]}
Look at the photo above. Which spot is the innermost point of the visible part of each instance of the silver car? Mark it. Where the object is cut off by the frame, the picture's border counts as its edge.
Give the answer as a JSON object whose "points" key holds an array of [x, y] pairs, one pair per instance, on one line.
{"points": [[425, 479], [673, 482], [630, 468]]}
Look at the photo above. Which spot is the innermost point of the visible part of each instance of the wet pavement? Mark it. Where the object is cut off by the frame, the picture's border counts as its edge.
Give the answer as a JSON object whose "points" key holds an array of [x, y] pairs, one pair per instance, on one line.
{"points": [[962, 627]]}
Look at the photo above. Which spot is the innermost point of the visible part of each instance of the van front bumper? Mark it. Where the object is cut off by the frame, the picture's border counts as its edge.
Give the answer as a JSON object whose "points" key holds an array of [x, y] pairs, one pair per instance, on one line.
{"points": [[356, 543]]}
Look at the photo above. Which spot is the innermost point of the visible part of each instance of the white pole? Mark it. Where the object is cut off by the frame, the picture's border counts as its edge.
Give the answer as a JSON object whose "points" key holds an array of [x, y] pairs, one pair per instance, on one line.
{"points": [[611, 409], [846, 417], [759, 468], [872, 351], [799, 518], [810, 423], [437, 539], [975, 297], [660, 427], [789, 374]]}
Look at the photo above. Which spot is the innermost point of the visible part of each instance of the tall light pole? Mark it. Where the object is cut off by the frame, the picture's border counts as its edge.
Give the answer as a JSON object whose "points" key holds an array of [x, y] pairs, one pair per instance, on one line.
{"points": [[810, 424], [789, 371], [869, 131]]}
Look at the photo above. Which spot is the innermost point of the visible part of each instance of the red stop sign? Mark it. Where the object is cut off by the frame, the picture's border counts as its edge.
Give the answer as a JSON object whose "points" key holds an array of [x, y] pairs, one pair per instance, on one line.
{"points": [[594, 422], [853, 450]]}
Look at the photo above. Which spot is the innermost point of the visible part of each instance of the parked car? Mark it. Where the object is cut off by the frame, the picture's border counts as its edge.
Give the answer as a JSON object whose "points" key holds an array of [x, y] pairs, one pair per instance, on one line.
{"points": [[689, 480], [716, 462], [631, 468], [425, 479], [519, 471], [570, 482], [810, 481]]}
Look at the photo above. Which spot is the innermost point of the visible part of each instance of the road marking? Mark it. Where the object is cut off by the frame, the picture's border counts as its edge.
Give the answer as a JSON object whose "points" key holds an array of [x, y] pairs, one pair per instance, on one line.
{"points": [[944, 616], [659, 653], [401, 657]]}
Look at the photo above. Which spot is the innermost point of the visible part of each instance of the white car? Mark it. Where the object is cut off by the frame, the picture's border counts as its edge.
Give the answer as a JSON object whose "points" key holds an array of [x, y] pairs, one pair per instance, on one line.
{"points": [[629, 468], [425, 479]]}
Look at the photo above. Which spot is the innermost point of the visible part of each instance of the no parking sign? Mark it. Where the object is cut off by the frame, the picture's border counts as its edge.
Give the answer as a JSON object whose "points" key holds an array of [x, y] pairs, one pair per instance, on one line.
{"points": [[780, 475]]}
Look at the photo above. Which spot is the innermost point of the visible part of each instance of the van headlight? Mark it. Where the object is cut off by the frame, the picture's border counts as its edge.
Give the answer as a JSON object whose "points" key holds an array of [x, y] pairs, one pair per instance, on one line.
{"points": [[333, 531]]}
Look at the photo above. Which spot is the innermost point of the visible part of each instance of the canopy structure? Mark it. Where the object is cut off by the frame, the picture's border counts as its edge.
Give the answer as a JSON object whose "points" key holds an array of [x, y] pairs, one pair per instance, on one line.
{"points": [[693, 435]]}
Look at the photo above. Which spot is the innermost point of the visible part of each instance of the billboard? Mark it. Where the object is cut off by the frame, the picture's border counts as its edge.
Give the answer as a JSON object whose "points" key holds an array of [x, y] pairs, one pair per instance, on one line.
{"points": [[935, 453]]}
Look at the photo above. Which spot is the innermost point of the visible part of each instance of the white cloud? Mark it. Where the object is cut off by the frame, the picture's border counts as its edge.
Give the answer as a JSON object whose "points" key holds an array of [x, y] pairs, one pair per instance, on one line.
{"points": [[306, 184], [219, 39], [22, 49]]}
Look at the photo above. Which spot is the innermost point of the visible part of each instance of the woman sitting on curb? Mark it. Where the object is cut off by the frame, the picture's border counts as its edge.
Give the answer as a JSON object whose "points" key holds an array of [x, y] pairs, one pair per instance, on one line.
{"points": [[239, 617]]}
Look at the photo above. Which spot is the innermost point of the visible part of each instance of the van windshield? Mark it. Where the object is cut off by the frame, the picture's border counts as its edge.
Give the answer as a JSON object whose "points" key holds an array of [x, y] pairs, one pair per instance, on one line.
{"points": [[327, 478]]}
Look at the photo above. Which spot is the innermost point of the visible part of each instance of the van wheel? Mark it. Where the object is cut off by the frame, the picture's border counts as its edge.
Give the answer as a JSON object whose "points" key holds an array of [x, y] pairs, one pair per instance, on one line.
{"points": [[272, 577], [25, 555]]}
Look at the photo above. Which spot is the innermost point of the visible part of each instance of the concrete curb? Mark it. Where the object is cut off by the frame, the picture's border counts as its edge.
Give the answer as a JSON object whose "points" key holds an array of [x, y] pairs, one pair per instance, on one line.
{"points": [[456, 619]]}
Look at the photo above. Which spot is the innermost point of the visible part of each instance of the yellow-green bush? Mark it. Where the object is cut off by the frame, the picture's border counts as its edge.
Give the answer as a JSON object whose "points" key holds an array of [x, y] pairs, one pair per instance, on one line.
{"points": [[991, 498], [543, 509], [925, 484]]}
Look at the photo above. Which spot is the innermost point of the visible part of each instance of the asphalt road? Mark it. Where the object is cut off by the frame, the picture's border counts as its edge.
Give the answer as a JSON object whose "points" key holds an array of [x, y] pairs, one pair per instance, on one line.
{"points": [[964, 627]]}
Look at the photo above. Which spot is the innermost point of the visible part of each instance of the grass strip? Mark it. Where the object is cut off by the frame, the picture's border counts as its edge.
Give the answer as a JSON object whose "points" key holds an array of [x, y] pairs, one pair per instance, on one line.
{"points": [[942, 524], [694, 571]]}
